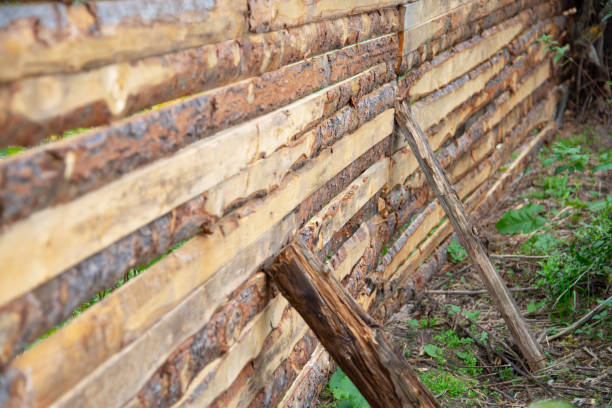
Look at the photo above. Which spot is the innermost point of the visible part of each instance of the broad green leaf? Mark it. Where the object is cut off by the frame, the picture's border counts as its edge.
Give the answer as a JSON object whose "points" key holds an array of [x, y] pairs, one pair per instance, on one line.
{"points": [[345, 391], [521, 221], [432, 350]]}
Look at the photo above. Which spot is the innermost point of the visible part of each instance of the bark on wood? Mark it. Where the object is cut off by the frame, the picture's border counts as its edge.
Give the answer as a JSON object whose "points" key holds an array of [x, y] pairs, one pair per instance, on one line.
{"points": [[54, 37], [270, 15], [60, 172], [355, 341], [468, 237], [34, 108]]}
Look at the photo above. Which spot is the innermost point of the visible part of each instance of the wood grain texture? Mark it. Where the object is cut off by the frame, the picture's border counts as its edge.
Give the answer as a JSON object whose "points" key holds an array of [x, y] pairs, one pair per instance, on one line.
{"points": [[456, 213], [465, 56], [240, 245], [36, 108], [62, 171], [56, 238], [36, 312], [53, 37], [354, 340], [270, 15], [229, 381]]}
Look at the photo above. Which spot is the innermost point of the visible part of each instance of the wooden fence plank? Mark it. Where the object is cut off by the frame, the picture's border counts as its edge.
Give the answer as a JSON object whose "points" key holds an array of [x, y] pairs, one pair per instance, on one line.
{"points": [[76, 285], [53, 37], [466, 56], [36, 108], [56, 238], [62, 171], [243, 244], [421, 25], [269, 15]]}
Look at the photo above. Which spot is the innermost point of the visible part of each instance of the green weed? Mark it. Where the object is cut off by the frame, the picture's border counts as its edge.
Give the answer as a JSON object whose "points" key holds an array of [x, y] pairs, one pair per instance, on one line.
{"points": [[456, 253]]}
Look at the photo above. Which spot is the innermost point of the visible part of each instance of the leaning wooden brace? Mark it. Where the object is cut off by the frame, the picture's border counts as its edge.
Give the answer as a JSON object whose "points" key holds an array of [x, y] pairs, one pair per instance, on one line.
{"points": [[448, 198], [355, 341]]}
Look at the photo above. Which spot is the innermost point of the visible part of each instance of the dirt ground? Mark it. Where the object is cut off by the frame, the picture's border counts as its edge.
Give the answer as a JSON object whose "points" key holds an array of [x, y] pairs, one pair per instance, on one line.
{"points": [[455, 338]]}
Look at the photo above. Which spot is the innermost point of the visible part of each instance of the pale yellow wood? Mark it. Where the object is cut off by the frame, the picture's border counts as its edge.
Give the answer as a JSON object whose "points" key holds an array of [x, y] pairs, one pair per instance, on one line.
{"points": [[417, 12], [471, 54], [49, 96], [430, 111], [350, 252], [403, 161], [53, 37], [275, 14], [210, 382], [422, 24], [339, 210], [218, 376], [536, 78], [56, 238], [407, 254], [237, 249], [319, 361]]}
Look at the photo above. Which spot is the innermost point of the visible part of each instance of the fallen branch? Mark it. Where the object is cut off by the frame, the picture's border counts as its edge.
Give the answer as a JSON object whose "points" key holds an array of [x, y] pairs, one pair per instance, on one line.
{"points": [[583, 320], [453, 276], [472, 292], [517, 256]]}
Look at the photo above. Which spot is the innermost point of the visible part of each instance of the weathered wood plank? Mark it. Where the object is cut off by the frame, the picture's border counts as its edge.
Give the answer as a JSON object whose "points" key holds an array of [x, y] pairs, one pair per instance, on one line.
{"points": [[348, 333], [53, 37], [152, 393], [404, 162], [35, 108], [306, 387], [32, 314], [422, 24], [457, 215], [270, 15], [219, 384], [56, 238], [62, 171], [242, 244], [465, 56]]}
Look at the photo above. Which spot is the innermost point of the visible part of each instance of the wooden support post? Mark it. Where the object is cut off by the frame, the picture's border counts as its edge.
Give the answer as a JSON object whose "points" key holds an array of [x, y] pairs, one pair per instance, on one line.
{"points": [[355, 341], [468, 235]]}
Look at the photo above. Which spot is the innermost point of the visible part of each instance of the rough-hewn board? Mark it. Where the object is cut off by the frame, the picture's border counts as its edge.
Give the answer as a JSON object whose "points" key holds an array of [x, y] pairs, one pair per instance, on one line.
{"points": [[62, 171], [223, 371], [476, 94], [508, 78], [235, 240], [465, 56], [306, 387], [421, 24], [269, 15], [432, 109], [56, 238], [420, 11], [30, 315], [35, 108], [53, 37], [338, 211], [500, 115]]}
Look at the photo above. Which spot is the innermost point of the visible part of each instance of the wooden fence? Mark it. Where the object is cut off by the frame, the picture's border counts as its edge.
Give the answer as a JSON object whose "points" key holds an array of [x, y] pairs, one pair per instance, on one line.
{"points": [[217, 131]]}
